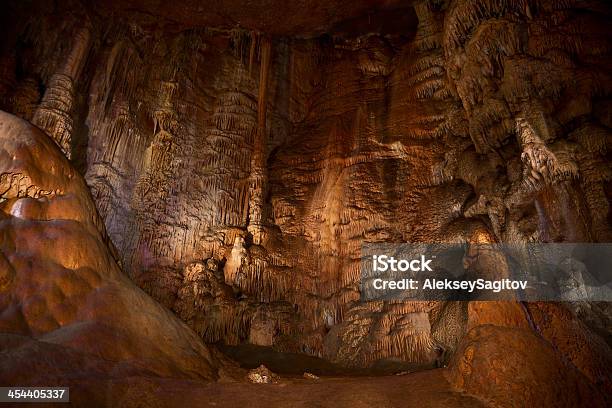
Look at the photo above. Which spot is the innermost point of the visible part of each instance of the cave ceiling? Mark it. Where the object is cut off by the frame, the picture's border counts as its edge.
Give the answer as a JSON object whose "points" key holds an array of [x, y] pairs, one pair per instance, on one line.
{"points": [[302, 18]]}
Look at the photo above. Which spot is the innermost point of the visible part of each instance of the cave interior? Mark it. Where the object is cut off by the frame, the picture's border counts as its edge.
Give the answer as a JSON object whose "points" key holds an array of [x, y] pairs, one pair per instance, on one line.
{"points": [[186, 186]]}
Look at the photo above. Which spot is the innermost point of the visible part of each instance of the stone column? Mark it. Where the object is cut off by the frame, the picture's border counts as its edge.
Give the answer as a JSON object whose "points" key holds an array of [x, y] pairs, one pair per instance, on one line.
{"points": [[55, 113], [258, 179]]}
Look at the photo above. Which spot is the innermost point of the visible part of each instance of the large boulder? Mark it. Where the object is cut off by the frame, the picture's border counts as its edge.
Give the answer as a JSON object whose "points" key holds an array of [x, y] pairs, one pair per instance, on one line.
{"points": [[514, 367], [67, 311]]}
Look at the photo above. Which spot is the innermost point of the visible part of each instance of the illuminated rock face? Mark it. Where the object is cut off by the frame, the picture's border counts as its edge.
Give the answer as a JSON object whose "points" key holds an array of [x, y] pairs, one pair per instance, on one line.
{"points": [[238, 172], [66, 305], [521, 366]]}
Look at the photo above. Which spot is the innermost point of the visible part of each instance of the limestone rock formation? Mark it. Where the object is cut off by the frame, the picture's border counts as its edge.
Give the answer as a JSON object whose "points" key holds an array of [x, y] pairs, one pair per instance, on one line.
{"points": [[238, 155], [67, 310], [506, 366]]}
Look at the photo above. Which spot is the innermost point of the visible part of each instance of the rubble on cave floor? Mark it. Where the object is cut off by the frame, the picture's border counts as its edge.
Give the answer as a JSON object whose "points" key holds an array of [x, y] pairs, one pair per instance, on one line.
{"points": [[262, 375]]}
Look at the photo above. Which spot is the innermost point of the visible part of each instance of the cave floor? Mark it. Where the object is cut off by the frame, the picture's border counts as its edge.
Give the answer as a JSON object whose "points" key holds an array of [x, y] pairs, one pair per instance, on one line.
{"points": [[420, 389]]}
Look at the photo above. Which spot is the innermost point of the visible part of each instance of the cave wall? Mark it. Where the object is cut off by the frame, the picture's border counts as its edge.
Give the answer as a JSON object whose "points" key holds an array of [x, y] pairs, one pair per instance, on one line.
{"points": [[68, 312], [238, 173]]}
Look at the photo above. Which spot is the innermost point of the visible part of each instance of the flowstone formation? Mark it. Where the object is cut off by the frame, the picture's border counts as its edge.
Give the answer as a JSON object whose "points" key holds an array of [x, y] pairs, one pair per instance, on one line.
{"points": [[68, 312], [239, 163]]}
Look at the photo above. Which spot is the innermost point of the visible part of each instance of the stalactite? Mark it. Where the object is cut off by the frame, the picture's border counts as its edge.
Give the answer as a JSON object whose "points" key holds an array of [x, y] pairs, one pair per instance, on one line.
{"points": [[258, 178], [542, 166], [8, 83], [253, 50]]}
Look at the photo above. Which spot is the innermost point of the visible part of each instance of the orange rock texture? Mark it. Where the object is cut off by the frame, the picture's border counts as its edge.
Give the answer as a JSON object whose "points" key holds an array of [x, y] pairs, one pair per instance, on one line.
{"points": [[64, 300]]}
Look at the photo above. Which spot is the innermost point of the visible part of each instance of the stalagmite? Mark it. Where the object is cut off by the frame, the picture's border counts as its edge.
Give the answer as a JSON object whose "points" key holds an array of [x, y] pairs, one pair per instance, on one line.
{"points": [[55, 113]]}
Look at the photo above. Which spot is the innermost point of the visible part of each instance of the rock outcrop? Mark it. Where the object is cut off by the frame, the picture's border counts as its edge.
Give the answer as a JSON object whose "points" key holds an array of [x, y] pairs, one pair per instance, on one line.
{"points": [[68, 313]]}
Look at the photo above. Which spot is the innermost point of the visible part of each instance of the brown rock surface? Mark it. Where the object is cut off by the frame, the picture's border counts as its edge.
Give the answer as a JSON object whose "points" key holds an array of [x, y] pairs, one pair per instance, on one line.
{"points": [[276, 157], [239, 154], [426, 389], [300, 17], [66, 307], [571, 338], [513, 367]]}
